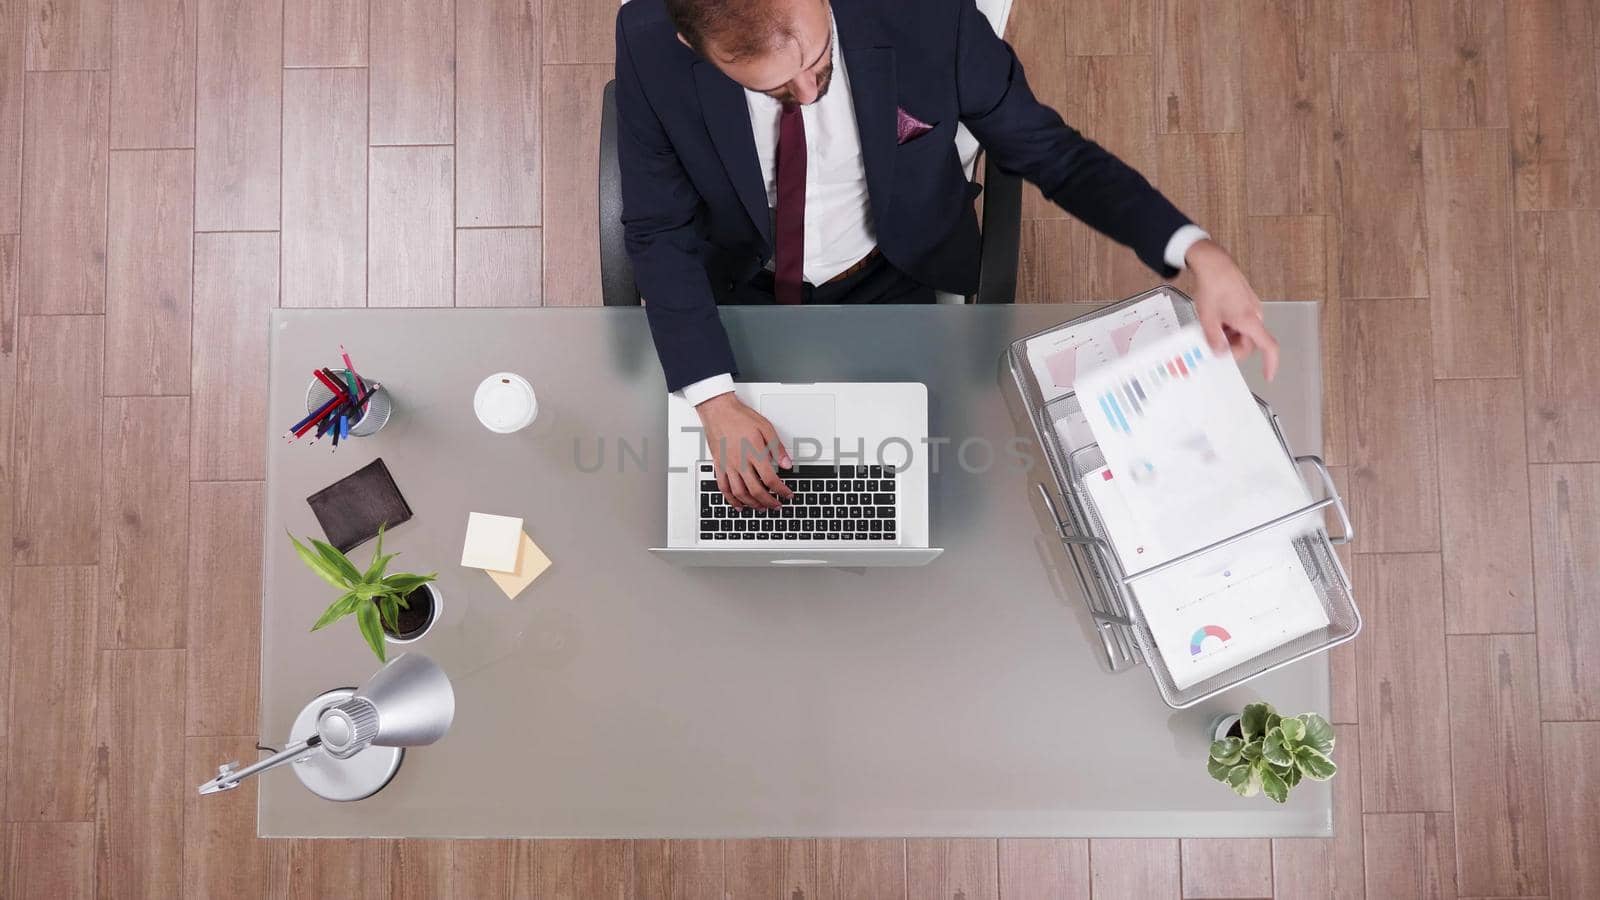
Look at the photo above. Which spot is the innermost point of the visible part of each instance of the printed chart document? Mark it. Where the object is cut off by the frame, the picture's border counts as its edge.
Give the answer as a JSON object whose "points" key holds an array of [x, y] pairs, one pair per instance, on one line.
{"points": [[1058, 359], [1191, 460]]}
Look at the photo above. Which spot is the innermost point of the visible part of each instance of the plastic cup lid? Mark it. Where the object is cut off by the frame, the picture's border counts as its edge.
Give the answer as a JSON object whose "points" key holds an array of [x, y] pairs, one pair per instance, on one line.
{"points": [[505, 402]]}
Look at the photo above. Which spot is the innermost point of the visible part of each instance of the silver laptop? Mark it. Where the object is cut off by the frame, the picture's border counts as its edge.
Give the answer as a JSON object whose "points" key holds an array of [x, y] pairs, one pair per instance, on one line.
{"points": [[860, 479]]}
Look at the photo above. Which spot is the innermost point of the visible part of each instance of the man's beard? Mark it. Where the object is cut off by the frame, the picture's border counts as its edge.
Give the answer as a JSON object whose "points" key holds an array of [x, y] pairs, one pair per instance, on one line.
{"points": [[824, 81]]}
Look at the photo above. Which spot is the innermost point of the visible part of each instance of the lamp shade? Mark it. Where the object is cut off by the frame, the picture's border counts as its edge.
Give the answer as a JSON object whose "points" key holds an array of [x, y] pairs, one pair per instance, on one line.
{"points": [[408, 703]]}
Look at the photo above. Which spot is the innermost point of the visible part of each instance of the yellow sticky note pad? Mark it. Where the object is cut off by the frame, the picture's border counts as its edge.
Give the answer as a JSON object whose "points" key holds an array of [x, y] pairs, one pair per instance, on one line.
{"points": [[531, 563]]}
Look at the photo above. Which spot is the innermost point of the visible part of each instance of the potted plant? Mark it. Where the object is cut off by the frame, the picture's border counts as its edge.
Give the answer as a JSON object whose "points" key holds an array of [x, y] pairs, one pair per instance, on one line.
{"points": [[1260, 751], [399, 607]]}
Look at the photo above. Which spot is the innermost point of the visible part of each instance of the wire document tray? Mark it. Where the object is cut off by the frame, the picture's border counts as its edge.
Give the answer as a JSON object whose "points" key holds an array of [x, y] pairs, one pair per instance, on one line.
{"points": [[1126, 638]]}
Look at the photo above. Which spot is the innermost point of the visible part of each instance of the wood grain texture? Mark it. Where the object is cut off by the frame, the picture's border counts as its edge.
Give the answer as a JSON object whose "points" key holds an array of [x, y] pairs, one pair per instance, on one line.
{"points": [[1200, 66], [1410, 855], [410, 239], [13, 25], [860, 869], [346, 868], [1108, 99], [1044, 869], [1378, 175], [1572, 792], [69, 34], [1404, 693], [141, 789], [1372, 24], [144, 542], [51, 775], [324, 187], [1107, 27], [1394, 486], [1461, 50], [497, 113], [224, 589], [767, 869], [1046, 269], [1467, 179], [1288, 257], [571, 214], [153, 74], [239, 109], [1483, 507], [580, 31], [1134, 869], [56, 445], [413, 71], [696, 870], [1227, 867], [652, 873], [235, 289], [64, 206], [499, 267], [1288, 107], [1555, 282], [149, 272], [1497, 765], [1204, 175], [1328, 868], [580, 869], [52, 859], [1554, 103], [221, 855], [466, 870], [1566, 566], [324, 32], [936, 869], [10, 263]]}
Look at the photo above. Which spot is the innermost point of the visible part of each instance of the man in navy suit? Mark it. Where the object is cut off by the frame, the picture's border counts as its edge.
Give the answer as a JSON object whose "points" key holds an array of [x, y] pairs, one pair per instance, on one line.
{"points": [[802, 151]]}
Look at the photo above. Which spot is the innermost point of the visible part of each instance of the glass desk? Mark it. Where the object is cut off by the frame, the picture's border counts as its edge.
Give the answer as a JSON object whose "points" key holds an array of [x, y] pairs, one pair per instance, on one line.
{"points": [[620, 696]]}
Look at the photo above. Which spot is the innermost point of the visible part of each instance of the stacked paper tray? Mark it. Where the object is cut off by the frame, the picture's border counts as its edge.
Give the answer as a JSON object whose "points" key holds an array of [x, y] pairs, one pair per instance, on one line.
{"points": [[1109, 589]]}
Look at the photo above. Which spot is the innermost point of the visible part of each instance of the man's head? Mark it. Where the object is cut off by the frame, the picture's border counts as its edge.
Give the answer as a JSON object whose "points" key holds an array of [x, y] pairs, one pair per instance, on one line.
{"points": [[781, 48]]}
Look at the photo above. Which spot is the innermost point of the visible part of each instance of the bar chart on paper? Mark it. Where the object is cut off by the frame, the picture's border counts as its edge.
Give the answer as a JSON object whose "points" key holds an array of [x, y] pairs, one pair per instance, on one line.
{"points": [[1062, 356], [1125, 400]]}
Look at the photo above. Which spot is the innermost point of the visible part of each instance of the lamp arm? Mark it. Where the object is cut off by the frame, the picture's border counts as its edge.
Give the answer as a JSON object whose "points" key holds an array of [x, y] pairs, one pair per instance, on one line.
{"points": [[228, 777]]}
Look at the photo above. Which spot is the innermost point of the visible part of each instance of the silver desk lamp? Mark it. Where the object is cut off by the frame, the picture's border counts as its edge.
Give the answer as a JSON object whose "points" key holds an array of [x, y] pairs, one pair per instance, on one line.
{"points": [[347, 744]]}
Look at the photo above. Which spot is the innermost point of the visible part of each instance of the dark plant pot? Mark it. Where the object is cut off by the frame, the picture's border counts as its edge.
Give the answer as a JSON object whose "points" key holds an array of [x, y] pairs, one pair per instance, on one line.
{"points": [[425, 604]]}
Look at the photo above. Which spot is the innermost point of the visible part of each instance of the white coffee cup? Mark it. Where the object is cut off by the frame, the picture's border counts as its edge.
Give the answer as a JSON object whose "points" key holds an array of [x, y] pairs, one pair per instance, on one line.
{"points": [[505, 402]]}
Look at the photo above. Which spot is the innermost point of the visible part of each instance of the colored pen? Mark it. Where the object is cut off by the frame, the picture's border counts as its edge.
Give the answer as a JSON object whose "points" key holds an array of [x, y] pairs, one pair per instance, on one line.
{"points": [[344, 427], [303, 425], [332, 385]]}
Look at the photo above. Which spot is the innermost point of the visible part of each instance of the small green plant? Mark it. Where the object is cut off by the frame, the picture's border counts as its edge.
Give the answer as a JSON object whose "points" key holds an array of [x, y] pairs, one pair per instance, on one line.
{"points": [[1274, 754], [375, 598]]}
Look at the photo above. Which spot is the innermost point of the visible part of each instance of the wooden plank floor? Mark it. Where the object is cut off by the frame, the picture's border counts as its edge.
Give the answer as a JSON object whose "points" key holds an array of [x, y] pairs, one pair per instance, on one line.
{"points": [[170, 171]]}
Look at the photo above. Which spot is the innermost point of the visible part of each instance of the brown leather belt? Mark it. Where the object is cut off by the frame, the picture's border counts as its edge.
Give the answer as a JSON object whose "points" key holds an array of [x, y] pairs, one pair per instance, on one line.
{"points": [[856, 266]]}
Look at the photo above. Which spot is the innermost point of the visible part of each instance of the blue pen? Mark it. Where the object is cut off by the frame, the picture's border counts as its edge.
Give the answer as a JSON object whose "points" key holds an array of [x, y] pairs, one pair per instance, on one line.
{"points": [[344, 428]]}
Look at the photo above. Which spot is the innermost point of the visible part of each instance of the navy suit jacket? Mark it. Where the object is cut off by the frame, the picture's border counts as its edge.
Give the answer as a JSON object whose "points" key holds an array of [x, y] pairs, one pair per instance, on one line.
{"points": [[695, 211]]}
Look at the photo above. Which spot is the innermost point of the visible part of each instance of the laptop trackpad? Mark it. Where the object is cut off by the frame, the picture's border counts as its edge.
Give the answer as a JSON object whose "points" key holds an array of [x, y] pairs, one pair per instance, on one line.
{"points": [[805, 423]]}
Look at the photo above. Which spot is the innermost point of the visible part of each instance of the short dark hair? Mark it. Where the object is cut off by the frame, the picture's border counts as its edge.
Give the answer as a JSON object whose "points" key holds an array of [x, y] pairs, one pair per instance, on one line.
{"points": [[740, 28]]}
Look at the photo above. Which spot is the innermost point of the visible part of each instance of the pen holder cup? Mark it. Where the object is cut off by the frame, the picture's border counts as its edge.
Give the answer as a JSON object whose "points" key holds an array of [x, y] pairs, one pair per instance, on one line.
{"points": [[372, 418]]}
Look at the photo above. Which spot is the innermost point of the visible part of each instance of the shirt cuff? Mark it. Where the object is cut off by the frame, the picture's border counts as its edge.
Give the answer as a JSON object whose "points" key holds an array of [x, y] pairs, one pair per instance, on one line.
{"points": [[706, 388], [1178, 245]]}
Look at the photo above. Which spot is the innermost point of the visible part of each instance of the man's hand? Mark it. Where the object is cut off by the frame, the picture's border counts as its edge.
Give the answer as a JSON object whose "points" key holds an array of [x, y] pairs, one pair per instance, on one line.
{"points": [[745, 446], [1228, 307]]}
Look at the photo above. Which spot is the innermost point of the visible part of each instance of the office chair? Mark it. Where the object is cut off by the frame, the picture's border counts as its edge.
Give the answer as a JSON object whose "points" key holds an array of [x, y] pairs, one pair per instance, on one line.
{"points": [[997, 256]]}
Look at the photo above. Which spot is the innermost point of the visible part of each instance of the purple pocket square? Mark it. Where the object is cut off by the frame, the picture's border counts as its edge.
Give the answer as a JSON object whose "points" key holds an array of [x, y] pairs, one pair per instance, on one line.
{"points": [[908, 127]]}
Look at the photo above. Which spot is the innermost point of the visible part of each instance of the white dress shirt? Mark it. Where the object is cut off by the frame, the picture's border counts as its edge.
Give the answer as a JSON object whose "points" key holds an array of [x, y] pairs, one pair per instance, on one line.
{"points": [[838, 218]]}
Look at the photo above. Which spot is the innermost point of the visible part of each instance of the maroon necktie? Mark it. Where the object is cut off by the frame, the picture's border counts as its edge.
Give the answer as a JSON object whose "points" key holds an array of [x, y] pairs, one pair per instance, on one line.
{"points": [[789, 261]]}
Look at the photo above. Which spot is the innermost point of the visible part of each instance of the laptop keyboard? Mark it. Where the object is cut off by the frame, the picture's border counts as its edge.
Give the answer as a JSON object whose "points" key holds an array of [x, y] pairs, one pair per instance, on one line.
{"points": [[830, 503]]}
